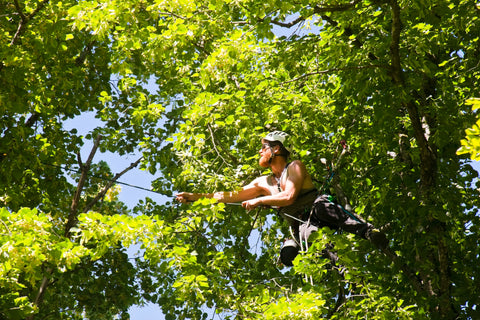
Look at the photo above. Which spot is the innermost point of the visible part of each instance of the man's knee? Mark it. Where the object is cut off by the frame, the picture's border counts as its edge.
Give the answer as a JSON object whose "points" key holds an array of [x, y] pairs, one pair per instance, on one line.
{"points": [[288, 252], [305, 230]]}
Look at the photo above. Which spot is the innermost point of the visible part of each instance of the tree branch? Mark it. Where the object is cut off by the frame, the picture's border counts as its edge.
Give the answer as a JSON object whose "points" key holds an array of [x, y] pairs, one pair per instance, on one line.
{"points": [[25, 19], [396, 67], [102, 193], [335, 70], [289, 24], [214, 142], [72, 217], [43, 287], [19, 10], [317, 10], [428, 167], [428, 173], [31, 121], [83, 55]]}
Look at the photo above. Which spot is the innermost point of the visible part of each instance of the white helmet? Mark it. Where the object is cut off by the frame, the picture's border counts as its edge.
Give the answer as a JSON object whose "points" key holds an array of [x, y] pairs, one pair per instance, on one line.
{"points": [[280, 136]]}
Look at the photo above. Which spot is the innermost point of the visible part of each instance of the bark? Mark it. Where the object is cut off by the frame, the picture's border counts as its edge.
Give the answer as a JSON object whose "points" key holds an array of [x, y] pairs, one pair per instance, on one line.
{"points": [[428, 173]]}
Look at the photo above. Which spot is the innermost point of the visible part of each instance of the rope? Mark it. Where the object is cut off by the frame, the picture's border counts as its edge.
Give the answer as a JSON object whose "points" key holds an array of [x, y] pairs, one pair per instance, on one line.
{"points": [[103, 178]]}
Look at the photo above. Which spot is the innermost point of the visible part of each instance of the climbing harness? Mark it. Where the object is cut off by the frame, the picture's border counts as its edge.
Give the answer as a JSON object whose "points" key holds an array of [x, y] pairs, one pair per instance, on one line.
{"points": [[332, 167]]}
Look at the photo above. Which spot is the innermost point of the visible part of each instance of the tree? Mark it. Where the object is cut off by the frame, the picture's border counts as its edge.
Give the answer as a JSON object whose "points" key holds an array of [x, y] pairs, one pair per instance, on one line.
{"points": [[391, 78], [471, 143]]}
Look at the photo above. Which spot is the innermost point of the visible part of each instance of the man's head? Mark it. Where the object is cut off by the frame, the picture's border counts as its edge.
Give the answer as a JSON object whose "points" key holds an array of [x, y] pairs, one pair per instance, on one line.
{"points": [[277, 143]]}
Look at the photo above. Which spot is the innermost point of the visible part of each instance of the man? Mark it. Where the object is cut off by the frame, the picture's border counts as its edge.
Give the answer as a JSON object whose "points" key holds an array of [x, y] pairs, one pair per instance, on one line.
{"points": [[291, 190]]}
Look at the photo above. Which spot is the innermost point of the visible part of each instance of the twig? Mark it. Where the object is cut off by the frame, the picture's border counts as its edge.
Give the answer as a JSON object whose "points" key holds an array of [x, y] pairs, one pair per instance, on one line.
{"points": [[214, 142], [6, 227], [102, 193], [334, 70]]}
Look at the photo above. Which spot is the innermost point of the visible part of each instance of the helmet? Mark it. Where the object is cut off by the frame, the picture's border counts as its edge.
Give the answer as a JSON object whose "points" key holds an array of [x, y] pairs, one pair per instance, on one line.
{"points": [[280, 136]]}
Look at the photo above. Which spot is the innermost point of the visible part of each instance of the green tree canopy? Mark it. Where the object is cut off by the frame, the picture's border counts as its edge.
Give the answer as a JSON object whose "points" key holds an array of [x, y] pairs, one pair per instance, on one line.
{"points": [[391, 78]]}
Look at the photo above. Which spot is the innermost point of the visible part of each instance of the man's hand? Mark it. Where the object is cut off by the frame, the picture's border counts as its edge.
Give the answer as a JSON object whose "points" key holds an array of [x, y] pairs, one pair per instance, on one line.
{"points": [[251, 204], [184, 197]]}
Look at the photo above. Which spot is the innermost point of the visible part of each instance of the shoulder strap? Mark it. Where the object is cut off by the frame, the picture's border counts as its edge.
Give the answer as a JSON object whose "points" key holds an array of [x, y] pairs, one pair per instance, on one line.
{"points": [[281, 177]]}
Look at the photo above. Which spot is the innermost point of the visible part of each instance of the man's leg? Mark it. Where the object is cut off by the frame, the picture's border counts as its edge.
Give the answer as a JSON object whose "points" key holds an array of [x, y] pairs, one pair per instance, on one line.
{"points": [[306, 230], [332, 215]]}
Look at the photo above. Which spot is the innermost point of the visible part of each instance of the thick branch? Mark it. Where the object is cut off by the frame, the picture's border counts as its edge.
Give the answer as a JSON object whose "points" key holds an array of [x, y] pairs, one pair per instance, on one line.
{"points": [[427, 153], [72, 217], [396, 67], [32, 120], [102, 193]]}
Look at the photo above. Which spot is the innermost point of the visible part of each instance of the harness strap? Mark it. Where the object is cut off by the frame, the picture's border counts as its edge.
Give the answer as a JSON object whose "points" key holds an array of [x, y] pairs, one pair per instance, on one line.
{"points": [[281, 177], [351, 215]]}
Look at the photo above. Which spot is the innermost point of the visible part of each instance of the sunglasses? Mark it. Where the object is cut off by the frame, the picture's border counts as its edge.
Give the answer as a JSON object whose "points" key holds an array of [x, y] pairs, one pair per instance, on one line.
{"points": [[265, 145]]}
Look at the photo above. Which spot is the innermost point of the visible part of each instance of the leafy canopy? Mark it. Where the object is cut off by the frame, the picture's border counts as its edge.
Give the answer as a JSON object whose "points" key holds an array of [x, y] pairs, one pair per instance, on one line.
{"points": [[192, 86]]}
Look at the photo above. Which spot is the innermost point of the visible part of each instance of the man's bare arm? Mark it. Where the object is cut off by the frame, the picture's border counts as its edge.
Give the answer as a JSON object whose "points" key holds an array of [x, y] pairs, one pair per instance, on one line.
{"points": [[297, 173], [248, 192]]}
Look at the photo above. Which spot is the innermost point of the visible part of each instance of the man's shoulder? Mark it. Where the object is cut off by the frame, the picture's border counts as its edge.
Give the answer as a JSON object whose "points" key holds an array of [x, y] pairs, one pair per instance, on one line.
{"points": [[296, 164]]}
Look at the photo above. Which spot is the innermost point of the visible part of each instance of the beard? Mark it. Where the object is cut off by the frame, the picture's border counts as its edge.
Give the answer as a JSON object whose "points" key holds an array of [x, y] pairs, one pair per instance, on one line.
{"points": [[264, 162]]}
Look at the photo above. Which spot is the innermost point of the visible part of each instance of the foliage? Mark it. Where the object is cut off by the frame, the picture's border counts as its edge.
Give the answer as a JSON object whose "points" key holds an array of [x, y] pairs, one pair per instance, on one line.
{"points": [[471, 143], [193, 86]]}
